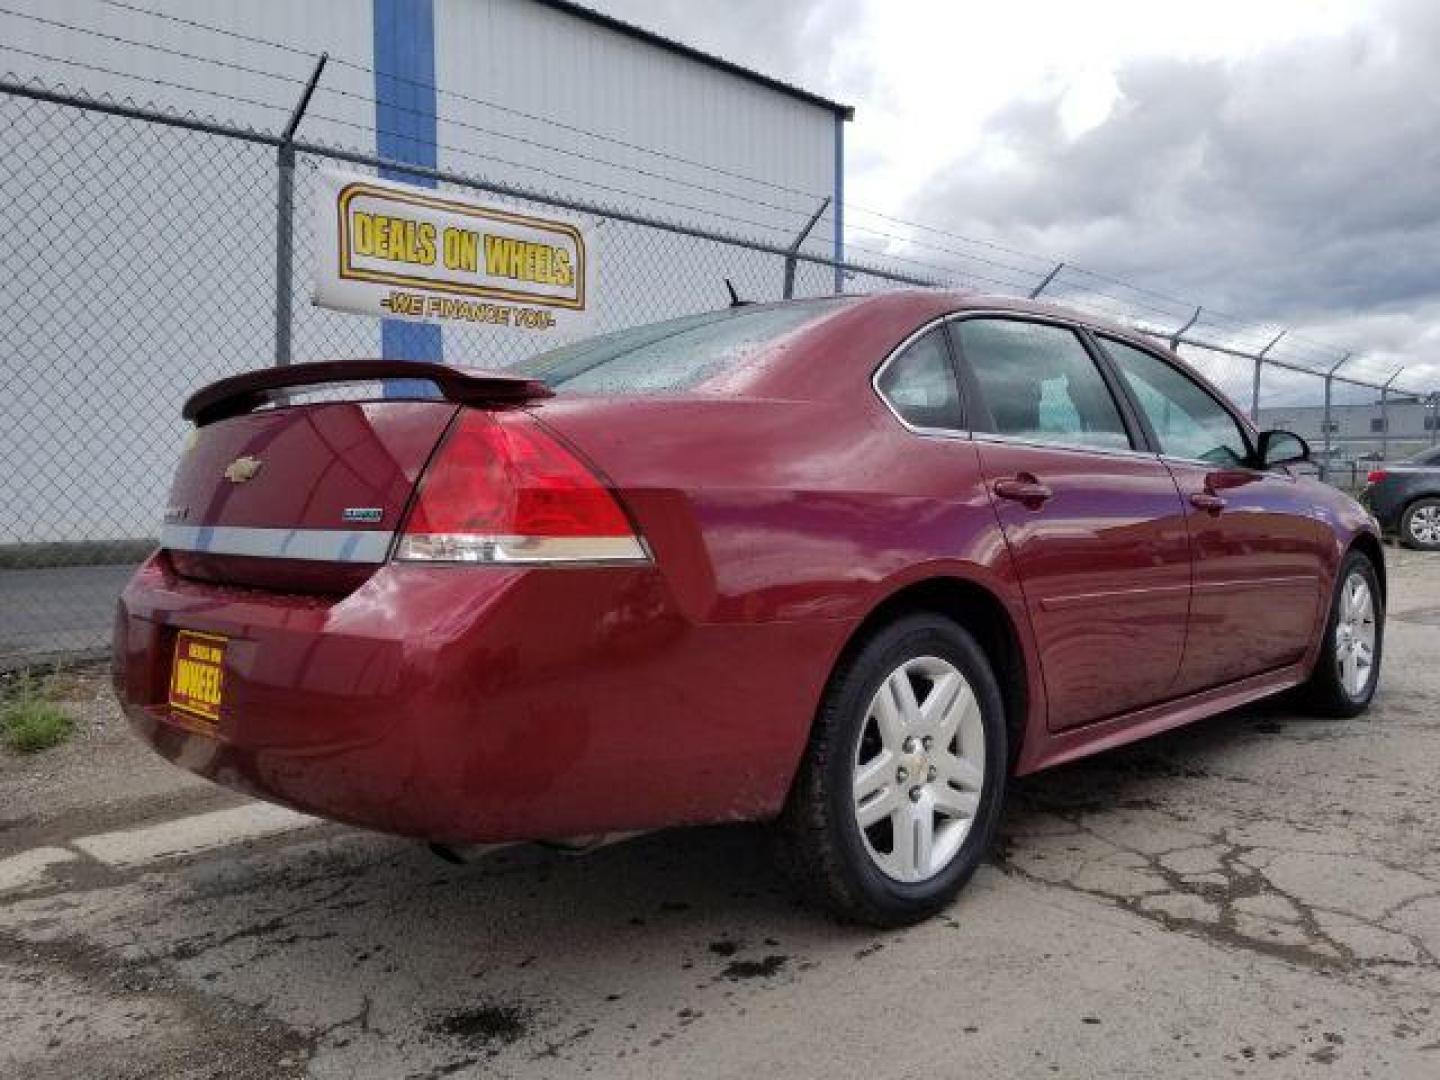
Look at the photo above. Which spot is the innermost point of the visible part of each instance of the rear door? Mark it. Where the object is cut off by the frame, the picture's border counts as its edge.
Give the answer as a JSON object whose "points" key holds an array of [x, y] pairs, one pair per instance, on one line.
{"points": [[1093, 521], [1259, 554]]}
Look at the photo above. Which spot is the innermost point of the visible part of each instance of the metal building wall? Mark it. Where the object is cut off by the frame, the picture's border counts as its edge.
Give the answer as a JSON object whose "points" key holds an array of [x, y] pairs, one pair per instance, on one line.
{"points": [[208, 307], [537, 59], [770, 156], [494, 61], [170, 80]]}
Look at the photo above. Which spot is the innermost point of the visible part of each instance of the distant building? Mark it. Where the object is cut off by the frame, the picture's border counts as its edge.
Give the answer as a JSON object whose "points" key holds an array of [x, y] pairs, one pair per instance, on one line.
{"points": [[1363, 430]]}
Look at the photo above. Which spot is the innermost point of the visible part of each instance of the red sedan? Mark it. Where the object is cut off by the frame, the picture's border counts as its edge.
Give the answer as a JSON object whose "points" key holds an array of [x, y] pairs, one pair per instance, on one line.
{"points": [[842, 565]]}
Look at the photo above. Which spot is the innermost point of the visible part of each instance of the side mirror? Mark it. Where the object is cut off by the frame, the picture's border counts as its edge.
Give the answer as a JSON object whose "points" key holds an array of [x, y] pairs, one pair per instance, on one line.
{"points": [[1282, 448]]}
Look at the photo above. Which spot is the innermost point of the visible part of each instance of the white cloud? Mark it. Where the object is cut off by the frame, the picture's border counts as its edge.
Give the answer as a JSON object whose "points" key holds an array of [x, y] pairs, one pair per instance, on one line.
{"points": [[1273, 158], [934, 72]]}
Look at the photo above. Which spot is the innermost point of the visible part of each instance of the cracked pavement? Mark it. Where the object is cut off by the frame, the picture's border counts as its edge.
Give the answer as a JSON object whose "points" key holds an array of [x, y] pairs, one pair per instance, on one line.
{"points": [[1258, 895]]}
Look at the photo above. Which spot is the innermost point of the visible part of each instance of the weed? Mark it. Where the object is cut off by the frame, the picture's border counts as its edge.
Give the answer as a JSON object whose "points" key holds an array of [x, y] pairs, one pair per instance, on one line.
{"points": [[30, 717]]}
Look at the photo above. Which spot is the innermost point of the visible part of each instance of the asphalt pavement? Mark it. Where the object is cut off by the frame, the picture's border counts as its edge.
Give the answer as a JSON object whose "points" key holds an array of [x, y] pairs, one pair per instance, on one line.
{"points": [[57, 610], [1257, 896]]}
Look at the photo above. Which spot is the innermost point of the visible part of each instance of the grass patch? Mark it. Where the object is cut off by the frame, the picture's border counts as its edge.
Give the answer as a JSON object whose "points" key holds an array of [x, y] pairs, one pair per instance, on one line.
{"points": [[31, 719]]}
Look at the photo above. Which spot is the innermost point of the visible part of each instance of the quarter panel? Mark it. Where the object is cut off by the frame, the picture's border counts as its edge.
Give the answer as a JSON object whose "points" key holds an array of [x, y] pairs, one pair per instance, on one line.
{"points": [[783, 511], [775, 510]]}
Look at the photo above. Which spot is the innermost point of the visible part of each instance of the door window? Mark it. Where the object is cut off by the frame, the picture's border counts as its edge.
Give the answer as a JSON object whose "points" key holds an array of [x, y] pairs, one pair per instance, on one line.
{"points": [[1040, 383], [1186, 418], [920, 384]]}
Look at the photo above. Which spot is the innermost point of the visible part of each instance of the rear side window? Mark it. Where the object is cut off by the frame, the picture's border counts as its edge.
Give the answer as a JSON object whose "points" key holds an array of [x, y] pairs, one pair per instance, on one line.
{"points": [[1040, 383], [919, 384], [669, 357], [1187, 420]]}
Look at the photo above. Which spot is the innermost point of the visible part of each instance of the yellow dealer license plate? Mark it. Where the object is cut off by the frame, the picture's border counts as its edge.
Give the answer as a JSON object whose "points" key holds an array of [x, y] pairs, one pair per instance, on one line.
{"points": [[197, 680]]}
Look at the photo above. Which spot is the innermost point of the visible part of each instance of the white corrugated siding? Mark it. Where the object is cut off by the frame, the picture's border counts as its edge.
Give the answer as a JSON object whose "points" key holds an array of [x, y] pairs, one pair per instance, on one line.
{"points": [[529, 57], [115, 230], [341, 26]]}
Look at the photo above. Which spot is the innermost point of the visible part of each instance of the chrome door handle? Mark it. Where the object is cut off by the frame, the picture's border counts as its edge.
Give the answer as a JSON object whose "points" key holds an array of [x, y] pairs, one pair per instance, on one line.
{"points": [[1207, 501], [1025, 490]]}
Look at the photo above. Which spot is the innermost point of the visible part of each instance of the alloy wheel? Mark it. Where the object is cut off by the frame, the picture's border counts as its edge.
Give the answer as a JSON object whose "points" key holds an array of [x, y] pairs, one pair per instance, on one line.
{"points": [[1355, 635], [918, 770], [1425, 525]]}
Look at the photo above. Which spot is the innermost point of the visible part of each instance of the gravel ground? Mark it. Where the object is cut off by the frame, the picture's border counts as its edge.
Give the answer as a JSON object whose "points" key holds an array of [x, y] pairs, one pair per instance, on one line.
{"points": [[1258, 895]]}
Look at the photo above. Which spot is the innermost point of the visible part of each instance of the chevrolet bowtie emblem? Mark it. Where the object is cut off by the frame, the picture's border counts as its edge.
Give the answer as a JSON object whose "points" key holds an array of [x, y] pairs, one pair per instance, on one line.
{"points": [[242, 469]]}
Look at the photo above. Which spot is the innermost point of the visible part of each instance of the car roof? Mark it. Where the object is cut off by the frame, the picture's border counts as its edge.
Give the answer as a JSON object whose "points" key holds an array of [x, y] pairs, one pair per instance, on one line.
{"points": [[926, 304], [865, 330]]}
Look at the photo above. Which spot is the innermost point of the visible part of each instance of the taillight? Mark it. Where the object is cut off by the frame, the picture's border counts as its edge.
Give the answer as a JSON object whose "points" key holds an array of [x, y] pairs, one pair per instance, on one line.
{"points": [[1375, 477], [502, 490]]}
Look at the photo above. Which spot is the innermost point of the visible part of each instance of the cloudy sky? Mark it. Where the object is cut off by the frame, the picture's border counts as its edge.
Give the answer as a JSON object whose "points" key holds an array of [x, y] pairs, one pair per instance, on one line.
{"points": [[1275, 160]]}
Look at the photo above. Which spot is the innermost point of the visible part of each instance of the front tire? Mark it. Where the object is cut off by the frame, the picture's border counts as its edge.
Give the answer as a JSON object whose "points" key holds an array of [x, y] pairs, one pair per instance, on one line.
{"points": [[1348, 669], [901, 789], [1420, 525]]}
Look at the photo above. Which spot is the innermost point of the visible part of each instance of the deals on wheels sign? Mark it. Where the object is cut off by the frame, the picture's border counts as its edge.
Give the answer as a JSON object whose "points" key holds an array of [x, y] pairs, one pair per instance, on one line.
{"points": [[408, 252]]}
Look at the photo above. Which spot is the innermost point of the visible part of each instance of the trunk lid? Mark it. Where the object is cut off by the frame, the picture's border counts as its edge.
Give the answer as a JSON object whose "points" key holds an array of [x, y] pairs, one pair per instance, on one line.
{"points": [[308, 497], [301, 499]]}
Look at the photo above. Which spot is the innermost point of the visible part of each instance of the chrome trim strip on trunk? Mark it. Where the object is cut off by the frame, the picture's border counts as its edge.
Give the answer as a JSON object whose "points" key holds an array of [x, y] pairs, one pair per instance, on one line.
{"points": [[316, 545]]}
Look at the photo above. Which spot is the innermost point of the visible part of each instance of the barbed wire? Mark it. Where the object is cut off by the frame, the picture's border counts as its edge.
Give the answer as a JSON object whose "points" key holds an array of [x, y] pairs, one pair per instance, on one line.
{"points": [[150, 79], [369, 128], [931, 267], [1043, 263]]}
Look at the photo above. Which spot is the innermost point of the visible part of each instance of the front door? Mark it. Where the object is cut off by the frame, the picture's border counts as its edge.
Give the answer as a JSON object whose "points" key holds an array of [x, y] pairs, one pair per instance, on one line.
{"points": [[1258, 556], [1095, 527]]}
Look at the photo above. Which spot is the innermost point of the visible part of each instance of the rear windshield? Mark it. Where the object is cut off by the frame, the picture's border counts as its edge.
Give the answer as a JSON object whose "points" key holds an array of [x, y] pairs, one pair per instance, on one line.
{"points": [[673, 356], [1427, 457]]}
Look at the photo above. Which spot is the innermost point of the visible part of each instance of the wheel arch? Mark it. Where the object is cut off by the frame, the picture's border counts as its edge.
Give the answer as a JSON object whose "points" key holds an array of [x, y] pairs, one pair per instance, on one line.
{"points": [[1368, 544], [981, 612]]}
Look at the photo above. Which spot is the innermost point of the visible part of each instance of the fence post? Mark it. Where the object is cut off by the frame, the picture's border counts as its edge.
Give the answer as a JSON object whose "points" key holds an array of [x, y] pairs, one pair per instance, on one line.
{"points": [[1175, 337], [1385, 416], [1048, 279], [1433, 401], [1255, 389], [795, 247], [1325, 424], [285, 217]]}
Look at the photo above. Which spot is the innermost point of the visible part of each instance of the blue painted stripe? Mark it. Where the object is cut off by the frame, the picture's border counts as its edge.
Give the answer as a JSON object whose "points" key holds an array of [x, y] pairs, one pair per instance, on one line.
{"points": [[405, 131], [839, 216]]}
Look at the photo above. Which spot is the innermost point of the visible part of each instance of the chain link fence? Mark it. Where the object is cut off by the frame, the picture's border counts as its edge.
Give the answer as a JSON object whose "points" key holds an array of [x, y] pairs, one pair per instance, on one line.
{"points": [[139, 262]]}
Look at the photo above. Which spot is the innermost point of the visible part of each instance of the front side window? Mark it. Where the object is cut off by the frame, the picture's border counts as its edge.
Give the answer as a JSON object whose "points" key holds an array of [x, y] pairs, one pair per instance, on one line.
{"points": [[1187, 420], [1040, 383], [920, 384]]}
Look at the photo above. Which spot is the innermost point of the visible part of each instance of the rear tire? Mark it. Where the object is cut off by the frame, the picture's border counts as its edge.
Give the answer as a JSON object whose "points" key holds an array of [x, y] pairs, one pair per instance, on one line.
{"points": [[900, 791], [1420, 525], [1343, 682]]}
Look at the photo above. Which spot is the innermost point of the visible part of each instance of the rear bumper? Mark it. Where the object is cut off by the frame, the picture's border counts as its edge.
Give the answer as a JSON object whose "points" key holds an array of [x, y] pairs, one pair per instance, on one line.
{"points": [[481, 704]]}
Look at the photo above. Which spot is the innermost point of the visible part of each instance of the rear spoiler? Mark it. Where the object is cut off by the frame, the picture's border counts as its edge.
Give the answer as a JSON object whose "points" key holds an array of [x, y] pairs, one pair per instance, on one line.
{"points": [[248, 392]]}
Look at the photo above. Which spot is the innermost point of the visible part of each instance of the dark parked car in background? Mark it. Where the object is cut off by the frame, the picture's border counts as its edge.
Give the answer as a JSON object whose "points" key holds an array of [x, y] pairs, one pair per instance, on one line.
{"points": [[1405, 498]]}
